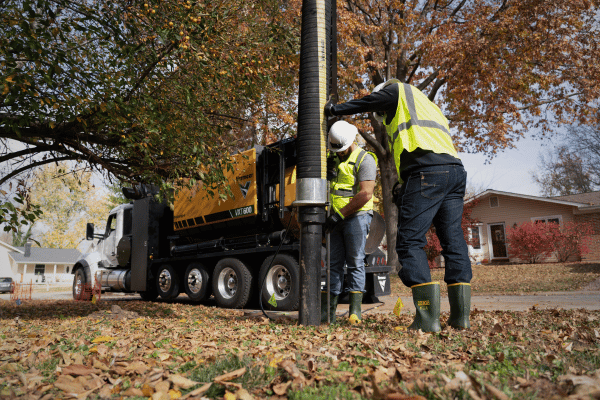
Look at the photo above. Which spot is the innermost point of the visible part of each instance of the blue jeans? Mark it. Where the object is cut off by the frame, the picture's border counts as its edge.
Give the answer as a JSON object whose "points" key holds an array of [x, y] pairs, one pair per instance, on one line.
{"points": [[432, 195], [347, 243]]}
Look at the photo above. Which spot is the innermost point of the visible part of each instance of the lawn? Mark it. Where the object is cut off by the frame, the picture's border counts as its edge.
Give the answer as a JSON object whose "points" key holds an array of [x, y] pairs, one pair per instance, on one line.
{"points": [[520, 278], [164, 350]]}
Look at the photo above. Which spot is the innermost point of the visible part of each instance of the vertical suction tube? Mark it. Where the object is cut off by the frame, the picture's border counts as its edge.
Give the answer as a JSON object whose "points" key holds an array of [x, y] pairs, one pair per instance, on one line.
{"points": [[311, 183]]}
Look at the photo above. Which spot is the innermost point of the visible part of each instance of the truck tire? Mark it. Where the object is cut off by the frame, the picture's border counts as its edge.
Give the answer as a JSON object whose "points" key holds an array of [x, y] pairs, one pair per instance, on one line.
{"points": [[79, 281], [195, 282], [231, 283], [167, 282], [151, 293], [281, 276]]}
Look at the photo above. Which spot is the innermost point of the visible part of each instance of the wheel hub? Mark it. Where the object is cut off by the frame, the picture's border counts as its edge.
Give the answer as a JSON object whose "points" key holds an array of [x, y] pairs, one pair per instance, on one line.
{"points": [[195, 281], [227, 283], [278, 282], [164, 280]]}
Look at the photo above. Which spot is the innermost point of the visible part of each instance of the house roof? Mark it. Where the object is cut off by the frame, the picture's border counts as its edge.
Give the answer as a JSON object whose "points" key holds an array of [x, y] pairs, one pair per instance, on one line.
{"points": [[9, 247], [575, 200], [590, 199], [46, 256]]}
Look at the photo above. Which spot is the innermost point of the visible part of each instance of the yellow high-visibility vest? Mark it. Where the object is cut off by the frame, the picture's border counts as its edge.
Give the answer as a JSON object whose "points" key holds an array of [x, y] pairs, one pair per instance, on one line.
{"points": [[418, 123], [345, 186]]}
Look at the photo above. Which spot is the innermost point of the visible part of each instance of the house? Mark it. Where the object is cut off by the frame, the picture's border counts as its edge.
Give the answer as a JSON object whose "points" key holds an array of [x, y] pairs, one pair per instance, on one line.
{"points": [[37, 265], [5, 270], [496, 210]]}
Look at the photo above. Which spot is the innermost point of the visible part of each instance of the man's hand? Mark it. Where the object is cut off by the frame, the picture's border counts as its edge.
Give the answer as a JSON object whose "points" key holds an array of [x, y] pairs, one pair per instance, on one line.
{"points": [[329, 108], [331, 168], [332, 221]]}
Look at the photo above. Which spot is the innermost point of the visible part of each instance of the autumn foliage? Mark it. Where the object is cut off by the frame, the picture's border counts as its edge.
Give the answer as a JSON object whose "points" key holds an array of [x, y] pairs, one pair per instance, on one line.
{"points": [[532, 241], [573, 240]]}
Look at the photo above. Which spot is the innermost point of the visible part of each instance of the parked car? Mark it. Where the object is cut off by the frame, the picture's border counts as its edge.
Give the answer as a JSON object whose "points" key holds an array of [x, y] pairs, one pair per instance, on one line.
{"points": [[5, 285]]}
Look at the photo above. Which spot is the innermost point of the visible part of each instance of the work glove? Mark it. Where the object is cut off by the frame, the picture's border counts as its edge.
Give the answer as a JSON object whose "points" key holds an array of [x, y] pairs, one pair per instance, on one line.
{"points": [[332, 221], [329, 108], [331, 168]]}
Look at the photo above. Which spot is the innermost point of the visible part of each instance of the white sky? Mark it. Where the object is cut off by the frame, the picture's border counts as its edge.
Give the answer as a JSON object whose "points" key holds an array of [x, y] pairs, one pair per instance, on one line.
{"points": [[510, 171]]}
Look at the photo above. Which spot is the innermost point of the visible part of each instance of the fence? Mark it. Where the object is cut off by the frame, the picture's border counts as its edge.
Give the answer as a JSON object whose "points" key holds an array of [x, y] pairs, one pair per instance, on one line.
{"points": [[87, 291], [21, 291]]}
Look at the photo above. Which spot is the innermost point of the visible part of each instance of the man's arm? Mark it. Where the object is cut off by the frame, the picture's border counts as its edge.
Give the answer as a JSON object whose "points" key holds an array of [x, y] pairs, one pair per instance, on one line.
{"points": [[361, 198], [384, 101]]}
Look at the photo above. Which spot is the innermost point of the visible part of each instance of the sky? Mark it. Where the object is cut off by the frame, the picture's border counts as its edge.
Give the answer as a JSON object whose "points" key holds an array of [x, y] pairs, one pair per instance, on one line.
{"points": [[509, 171]]}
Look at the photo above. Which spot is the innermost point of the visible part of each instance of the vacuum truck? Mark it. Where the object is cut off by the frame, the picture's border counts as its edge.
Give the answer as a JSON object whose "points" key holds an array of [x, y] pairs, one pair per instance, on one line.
{"points": [[239, 248]]}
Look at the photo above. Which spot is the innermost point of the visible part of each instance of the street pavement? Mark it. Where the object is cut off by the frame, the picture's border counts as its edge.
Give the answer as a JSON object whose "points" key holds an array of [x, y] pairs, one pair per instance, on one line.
{"points": [[585, 299]]}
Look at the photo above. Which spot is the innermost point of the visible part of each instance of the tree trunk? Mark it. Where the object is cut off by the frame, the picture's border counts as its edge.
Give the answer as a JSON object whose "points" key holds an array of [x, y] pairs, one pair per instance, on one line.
{"points": [[389, 177]]}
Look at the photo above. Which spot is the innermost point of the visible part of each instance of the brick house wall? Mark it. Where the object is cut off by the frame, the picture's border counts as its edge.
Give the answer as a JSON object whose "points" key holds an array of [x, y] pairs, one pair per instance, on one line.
{"points": [[594, 245], [494, 208]]}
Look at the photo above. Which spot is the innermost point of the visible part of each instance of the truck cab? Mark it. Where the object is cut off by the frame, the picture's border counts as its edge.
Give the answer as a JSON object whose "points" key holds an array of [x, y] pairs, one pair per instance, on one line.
{"points": [[103, 256]]}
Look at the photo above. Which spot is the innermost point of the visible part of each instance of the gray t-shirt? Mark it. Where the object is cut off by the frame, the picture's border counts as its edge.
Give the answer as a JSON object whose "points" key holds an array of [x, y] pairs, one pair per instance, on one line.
{"points": [[367, 170]]}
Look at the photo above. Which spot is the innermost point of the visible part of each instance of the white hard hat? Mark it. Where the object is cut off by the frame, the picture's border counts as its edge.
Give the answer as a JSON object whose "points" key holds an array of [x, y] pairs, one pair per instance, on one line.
{"points": [[378, 116], [341, 136]]}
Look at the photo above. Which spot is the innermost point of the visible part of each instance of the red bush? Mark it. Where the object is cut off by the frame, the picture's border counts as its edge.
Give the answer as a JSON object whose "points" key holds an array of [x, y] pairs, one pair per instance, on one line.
{"points": [[572, 240], [532, 241]]}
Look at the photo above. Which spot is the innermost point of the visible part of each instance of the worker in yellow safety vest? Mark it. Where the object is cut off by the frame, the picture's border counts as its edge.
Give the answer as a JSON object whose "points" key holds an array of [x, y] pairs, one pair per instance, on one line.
{"points": [[433, 183], [352, 173]]}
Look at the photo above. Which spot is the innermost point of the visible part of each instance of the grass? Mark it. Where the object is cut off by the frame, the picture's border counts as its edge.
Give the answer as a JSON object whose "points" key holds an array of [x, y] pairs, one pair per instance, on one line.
{"points": [[534, 354], [519, 278]]}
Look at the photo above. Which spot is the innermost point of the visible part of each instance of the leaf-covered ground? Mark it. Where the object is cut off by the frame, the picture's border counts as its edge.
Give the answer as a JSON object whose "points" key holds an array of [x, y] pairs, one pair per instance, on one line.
{"points": [[124, 349], [521, 278]]}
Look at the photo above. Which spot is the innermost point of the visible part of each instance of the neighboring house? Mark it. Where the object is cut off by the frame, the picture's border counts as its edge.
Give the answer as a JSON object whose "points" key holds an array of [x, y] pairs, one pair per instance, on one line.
{"points": [[40, 265], [496, 210], [5, 270]]}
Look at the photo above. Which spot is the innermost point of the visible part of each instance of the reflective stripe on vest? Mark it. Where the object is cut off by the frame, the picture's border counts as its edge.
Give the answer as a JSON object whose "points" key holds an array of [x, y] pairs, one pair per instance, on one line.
{"points": [[418, 123], [345, 186]]}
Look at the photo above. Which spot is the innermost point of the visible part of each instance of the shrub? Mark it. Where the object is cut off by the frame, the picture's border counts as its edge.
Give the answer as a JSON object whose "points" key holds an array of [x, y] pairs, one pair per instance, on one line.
{"points": [[572, 240], [532, 241]]}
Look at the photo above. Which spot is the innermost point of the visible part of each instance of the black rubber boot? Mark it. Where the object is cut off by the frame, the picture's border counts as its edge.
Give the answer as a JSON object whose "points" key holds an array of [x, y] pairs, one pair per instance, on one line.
{"points": [[459, 295], [355, 307], [333, 302], [426, 297]]}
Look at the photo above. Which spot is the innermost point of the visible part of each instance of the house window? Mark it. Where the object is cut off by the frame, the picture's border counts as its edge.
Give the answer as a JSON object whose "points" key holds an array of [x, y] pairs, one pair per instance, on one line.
{"points": [[557, 219], [494, 202], [40, 269], [67, 270], [475, 238]]}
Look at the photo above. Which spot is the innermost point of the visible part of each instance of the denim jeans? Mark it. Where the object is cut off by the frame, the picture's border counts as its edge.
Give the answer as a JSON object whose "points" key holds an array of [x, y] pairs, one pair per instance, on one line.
{"points": [[347, 242], [435, 195]]}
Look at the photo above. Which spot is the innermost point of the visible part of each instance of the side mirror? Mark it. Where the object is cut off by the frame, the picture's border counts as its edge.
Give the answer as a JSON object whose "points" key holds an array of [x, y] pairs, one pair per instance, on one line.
{"points": [[89, 231]]}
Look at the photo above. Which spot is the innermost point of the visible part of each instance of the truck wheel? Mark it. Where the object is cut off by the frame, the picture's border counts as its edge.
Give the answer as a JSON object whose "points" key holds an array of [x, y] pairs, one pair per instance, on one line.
{"points": [[150, 294], [231, 283], [79, 282], [281, 276], [167, 282], [195, 282]]}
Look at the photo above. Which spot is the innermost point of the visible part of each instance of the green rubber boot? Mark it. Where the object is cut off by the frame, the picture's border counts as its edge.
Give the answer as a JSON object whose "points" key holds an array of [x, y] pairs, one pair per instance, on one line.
{"points": [[459, 295], [355, 307], [426, 297], [333, 302]]}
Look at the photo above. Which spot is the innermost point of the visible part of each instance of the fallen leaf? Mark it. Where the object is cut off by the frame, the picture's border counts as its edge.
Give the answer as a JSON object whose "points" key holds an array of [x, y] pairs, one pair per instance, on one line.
{"points": [[280, 389], [230, 375], [78, 370], [103, 339], [182, 381]]}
